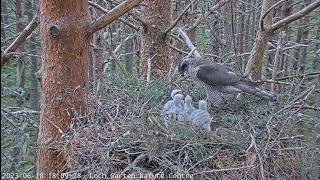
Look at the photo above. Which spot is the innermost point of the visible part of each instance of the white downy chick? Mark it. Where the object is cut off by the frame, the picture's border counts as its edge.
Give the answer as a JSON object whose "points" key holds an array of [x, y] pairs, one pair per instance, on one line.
{"points": [[201, 116], [188, 107]]}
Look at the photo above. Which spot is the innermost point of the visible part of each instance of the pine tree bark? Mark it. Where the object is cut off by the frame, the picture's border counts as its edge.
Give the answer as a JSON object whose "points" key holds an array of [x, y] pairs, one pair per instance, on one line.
{"points": [[65, 48], [154, 42], [90, 69]]}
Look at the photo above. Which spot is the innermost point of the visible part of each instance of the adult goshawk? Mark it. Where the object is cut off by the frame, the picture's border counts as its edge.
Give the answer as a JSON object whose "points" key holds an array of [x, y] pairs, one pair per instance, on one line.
{"points": [[216, 78]]}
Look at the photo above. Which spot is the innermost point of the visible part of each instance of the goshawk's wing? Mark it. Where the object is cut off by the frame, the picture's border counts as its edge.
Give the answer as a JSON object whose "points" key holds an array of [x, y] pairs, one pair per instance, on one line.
{"points": [[217, 75]]}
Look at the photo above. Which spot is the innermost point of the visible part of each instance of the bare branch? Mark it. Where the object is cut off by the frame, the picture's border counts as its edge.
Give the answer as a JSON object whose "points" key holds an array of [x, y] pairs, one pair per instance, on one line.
{"points": [[164, 132], [130, 13], [254, 145], [176, 38], [267, 12], [121, 44], [277, 80], [198, 21], [315, 108], [296, 15], [7, 54], [189, 43], [178, 50], [113, 14], [97, 6], [175, 22], [114, 56]]}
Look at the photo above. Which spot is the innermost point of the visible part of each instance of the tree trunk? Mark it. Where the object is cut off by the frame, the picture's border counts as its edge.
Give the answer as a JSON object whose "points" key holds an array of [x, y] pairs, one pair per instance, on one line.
{"points": [[21, 61], [253, 25], [297, 50], [154, 42], [277, 65], [113, 45], [247, 26], [254, 65], [287, 8], [128, 50], [92, 60], [65, 47], [90, 68], [250, 30], [299, 40], [98, 59], [304, 41], [302, 61], [4, 19], [34, 89], [316, 49], [215, 34], [269, 65], [241, 31], [227, 40]]}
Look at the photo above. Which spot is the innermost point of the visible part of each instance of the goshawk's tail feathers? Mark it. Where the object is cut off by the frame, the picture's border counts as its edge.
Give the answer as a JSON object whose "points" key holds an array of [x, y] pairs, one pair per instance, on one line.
{"points": [[254, 90]]}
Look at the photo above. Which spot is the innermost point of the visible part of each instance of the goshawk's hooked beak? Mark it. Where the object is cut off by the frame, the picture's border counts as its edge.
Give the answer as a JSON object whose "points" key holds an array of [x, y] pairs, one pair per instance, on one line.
{"points": [[183, 67]]}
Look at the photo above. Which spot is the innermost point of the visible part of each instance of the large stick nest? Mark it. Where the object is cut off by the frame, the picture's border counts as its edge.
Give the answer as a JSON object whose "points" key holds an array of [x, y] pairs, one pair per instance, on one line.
{"points": [[122, 137]]}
